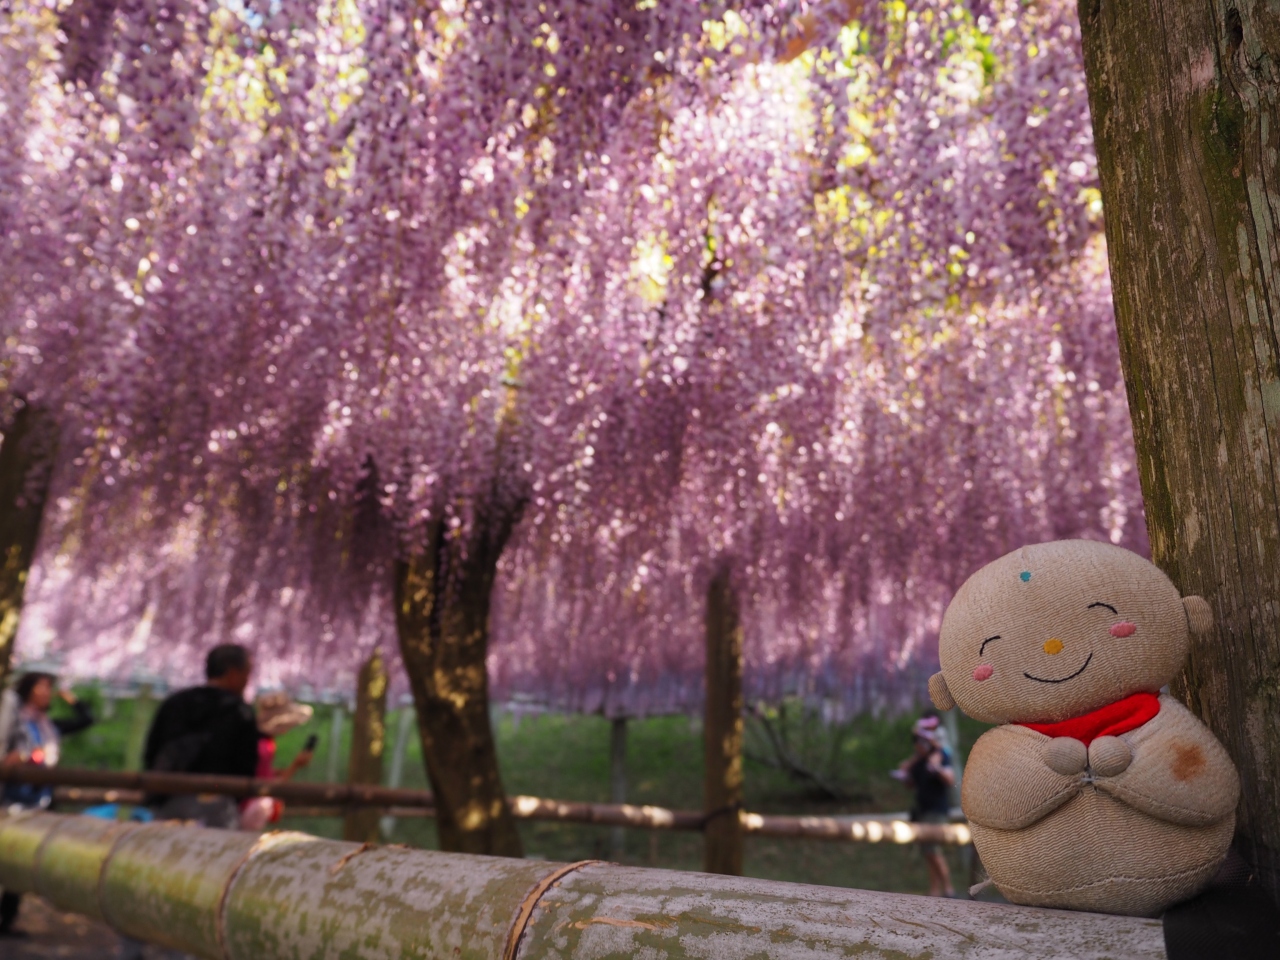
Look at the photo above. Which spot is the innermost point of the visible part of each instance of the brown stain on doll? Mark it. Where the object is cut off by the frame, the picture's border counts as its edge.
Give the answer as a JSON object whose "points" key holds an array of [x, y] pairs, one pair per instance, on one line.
{"points": [[1188, 761]]}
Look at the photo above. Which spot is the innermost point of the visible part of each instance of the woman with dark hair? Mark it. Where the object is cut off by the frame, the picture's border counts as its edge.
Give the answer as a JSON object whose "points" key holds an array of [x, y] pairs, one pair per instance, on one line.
{"points": [[34, 737]]}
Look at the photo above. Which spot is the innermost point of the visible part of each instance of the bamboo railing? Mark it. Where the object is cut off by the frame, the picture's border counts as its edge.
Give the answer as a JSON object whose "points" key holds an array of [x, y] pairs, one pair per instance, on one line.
{"points": [[224, 895], [403, 802]]}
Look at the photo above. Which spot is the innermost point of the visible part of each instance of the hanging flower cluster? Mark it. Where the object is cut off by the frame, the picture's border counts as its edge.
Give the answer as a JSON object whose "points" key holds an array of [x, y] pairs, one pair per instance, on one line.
{"points": [[815, 292]]}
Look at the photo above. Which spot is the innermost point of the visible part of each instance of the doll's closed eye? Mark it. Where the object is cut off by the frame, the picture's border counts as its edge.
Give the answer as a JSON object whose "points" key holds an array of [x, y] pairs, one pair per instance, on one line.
{"points": [[1122, 629], [985, 642]]}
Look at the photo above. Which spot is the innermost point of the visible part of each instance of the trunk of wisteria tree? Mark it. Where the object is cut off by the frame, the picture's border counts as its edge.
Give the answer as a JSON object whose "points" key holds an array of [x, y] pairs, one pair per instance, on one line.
{"points": [[1186, 114], [722, 731], [442, 614], [26, 466], [368, 744]]}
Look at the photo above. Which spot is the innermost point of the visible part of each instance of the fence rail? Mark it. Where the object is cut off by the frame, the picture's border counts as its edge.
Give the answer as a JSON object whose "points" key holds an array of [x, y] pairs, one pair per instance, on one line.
{"points": [[400, 802], [224, 895]]}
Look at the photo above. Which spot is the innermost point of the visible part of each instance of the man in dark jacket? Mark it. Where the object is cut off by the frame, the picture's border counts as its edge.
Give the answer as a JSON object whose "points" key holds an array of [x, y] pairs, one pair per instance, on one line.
{"points": [[208, 729]]}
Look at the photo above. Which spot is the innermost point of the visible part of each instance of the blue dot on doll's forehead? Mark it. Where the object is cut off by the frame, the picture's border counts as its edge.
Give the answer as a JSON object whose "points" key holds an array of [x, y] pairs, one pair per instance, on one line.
{"points": [[1024, 576]]}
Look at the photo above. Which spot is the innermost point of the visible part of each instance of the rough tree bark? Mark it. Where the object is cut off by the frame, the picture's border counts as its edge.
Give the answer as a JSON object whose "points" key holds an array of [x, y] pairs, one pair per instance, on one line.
{"points": [[1186, 114], [442, 614], [722, 731], [26, 467], [368, 744]]}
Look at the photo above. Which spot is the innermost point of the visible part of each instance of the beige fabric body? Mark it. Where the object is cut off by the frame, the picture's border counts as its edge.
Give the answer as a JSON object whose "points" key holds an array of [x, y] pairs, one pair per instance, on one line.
{"points": [[1133, 843], [1095, 853]]}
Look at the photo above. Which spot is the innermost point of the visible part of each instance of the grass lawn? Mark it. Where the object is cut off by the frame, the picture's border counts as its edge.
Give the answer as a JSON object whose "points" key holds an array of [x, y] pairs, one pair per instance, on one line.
{"points": [[567, 757]]}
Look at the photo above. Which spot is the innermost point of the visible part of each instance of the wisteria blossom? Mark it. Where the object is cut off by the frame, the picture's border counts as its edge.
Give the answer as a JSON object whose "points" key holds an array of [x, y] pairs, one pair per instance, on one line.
{"points": [[812, 292]]}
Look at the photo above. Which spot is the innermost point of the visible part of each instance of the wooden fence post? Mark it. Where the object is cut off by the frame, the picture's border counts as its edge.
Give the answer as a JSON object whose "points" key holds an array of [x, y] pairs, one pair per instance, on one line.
{"points": [[368, 741], [333, 758], [395, 778], [144, 709], [617, 781], [722, 731]]}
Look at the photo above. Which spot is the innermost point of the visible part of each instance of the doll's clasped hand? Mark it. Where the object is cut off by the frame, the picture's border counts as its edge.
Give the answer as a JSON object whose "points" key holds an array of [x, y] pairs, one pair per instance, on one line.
{"points": [[1109, 756], [1066, 755]]}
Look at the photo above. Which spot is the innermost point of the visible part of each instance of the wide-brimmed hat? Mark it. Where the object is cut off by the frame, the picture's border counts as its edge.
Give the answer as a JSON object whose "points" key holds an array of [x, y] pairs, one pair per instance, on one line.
{"points": [[278, 713], [927, 728]]}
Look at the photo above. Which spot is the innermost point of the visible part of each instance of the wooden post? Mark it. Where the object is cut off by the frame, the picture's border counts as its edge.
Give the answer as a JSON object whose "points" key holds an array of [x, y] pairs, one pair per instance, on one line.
{"points": [[722, 731], [951, 722], [1185, 100], [368, 740], [404, 727], [617, 782], [337, 720], [144, 709]]}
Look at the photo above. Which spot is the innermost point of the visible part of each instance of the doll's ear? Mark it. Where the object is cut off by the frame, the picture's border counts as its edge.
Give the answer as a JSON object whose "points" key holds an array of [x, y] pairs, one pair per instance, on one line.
{"points": [[939, 693], [1199, 614]]}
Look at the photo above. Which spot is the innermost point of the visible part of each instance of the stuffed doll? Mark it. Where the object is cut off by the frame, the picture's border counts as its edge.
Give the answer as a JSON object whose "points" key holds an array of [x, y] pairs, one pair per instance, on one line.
{"points": [[1096, 791]]}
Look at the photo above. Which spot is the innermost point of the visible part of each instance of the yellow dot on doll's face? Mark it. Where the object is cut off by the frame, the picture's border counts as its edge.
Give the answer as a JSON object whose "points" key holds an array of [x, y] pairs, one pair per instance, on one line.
{"points": [[1052, 646]]}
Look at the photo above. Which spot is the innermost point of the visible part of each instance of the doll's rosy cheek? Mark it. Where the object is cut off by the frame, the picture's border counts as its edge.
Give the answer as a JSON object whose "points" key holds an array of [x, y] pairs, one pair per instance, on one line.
{"points": [[982, 672], [1123, 629]]}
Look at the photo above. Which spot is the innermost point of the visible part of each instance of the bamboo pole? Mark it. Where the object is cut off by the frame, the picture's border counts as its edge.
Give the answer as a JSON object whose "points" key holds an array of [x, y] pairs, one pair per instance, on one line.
{"points": [[105, 786], [224, 895], [149, 781]]}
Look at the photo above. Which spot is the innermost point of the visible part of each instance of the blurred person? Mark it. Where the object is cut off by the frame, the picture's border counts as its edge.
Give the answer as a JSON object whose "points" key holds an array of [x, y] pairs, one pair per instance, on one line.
{"points": [[32, 736], [277, 714], [9, 706], [207, 729], [930, 772]]}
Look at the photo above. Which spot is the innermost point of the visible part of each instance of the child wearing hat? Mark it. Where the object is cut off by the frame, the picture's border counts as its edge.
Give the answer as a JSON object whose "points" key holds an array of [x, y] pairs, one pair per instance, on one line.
{"points": [[929, 771], [277, 714]]}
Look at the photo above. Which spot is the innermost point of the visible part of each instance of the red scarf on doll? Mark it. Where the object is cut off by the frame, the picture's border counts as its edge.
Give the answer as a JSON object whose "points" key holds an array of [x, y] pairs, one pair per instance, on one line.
{"points": [[1109, 721]]}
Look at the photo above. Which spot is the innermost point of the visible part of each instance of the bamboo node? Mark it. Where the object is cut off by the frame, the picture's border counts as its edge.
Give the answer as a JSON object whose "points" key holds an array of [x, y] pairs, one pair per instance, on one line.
{"points": [[525, 913], [347, 858], [268, 840]]}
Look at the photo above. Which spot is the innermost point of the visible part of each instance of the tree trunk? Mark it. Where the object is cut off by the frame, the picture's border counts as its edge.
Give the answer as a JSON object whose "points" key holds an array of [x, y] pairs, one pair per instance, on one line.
{"points": [[26, 467], [368, 743], [722, 731], [618, 782], [442, 615], [1186, 114]]}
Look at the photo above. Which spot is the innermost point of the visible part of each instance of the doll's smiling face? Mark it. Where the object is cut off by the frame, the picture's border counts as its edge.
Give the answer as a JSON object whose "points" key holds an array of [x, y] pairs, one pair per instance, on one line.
{"points": [[1058, 629]]}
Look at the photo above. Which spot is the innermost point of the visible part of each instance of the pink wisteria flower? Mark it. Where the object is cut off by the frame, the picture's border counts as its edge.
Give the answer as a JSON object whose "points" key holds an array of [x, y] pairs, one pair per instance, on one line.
{"points": [[815, 291]]}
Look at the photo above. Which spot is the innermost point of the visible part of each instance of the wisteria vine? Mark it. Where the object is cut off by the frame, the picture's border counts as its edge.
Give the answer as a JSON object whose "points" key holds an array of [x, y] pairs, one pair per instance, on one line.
{"points": [[814, 291]]}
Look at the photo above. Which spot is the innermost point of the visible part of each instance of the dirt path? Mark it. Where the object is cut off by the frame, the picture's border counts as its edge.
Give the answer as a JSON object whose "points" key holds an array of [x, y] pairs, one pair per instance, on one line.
{"points": [[55, 934]]}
